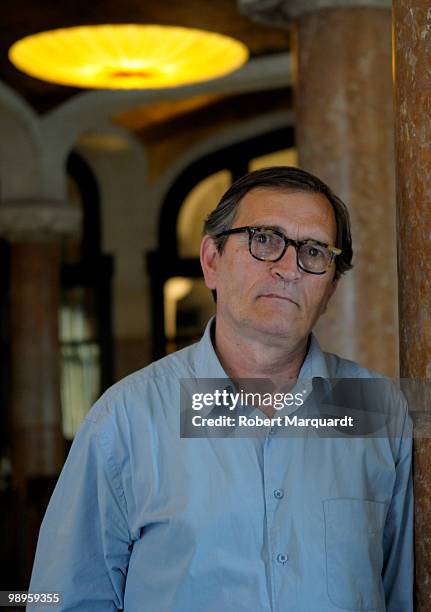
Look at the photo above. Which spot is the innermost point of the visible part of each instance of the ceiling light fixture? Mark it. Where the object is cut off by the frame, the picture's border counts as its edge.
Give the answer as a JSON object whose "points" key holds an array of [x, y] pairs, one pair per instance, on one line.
{"points": [[127, 56]]}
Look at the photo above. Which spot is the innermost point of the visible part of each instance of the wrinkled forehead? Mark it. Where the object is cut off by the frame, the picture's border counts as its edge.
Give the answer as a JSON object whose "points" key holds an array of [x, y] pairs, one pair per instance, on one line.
{"points": [[288, 208]]}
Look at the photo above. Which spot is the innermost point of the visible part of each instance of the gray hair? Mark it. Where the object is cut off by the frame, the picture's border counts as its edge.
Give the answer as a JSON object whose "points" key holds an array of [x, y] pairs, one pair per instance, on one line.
{"points": [[283, 178]]}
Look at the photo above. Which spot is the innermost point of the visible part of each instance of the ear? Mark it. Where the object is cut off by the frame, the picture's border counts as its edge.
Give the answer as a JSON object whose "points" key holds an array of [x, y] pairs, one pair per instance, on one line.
{"points": [[209, 255]]}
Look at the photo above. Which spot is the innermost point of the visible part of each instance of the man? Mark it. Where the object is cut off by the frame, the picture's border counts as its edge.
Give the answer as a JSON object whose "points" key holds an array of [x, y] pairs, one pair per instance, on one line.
{"points": [[143, 519]]}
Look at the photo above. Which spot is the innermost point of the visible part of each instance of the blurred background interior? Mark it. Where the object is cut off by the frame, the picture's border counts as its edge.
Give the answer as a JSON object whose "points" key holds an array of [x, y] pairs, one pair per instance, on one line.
{"points": [[103, 194]]}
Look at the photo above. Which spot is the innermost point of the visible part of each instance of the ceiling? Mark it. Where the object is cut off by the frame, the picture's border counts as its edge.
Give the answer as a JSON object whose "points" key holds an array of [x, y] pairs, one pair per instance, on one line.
{"points": [[24, 17]]}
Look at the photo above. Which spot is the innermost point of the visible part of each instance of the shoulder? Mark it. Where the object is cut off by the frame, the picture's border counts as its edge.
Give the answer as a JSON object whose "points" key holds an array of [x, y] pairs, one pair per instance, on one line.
{"points": [[329, 365], [145, 388], [339, 367], [379, 393]]}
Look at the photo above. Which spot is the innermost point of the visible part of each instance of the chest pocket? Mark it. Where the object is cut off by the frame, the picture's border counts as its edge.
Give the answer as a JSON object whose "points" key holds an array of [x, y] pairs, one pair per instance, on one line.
{"points": [[354, 553]]}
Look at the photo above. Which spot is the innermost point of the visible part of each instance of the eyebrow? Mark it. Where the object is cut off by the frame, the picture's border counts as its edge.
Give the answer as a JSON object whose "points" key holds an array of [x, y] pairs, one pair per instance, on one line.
{"points": [[282, 230]]}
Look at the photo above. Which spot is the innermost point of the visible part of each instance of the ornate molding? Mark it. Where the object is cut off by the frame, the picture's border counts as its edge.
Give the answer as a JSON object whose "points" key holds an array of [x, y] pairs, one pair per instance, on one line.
{"points": [[38, 220], [282, 12]]}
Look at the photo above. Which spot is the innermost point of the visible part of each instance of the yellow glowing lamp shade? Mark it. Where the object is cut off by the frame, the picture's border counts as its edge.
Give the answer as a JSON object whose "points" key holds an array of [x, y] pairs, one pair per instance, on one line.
{"points": [[127, 56]]}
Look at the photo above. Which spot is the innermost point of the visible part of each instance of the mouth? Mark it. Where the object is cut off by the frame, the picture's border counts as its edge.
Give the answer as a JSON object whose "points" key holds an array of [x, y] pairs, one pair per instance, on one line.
{"points": [[276, 296]]}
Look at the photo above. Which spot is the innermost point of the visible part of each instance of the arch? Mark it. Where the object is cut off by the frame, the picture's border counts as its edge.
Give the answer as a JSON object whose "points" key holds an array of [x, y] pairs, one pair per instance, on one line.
{"points": [[21, 149], [261, 136], [41, 144], [234, 154], [77, 114]]}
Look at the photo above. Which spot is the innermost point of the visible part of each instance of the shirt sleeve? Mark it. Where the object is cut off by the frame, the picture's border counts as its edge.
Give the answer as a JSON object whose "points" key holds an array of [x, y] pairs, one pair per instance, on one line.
{"points": [[84, 542], [398, 571]]}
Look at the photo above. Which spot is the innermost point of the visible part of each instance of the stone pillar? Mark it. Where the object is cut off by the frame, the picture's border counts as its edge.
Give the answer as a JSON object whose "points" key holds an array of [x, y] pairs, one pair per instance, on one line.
{"points": [[412, 61], [34, 230], [344, 134]]}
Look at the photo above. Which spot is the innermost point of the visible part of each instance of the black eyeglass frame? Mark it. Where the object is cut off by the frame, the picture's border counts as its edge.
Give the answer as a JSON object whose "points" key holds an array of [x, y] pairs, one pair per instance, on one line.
{"points": [[334, 251]]}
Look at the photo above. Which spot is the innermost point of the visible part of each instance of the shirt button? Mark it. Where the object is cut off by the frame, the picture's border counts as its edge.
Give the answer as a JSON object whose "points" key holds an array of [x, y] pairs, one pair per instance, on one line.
{"points": [[282, 558], [278, 493], [272, 431]]}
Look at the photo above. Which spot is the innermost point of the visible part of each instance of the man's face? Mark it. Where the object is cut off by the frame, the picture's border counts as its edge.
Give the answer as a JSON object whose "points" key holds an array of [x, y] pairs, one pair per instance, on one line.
{"points": [[274, 299]]}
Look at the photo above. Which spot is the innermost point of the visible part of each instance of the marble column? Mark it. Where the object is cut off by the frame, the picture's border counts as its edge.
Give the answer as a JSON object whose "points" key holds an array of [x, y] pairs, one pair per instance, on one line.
{"points": [[344, 134], [412, 79], [34, 230]]}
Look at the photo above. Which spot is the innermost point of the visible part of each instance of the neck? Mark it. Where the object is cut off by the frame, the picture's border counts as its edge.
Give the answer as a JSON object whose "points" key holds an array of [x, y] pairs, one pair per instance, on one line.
{"points": [[253, 355]]}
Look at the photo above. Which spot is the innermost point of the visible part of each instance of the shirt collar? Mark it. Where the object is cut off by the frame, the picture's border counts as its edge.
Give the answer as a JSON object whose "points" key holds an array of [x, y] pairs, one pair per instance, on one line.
{"points": [[314, 365], [207, 364]]}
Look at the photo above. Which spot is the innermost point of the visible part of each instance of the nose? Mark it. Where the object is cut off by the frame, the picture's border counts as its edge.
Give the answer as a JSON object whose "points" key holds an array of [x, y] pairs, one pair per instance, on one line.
{"points": [[286, 268]]}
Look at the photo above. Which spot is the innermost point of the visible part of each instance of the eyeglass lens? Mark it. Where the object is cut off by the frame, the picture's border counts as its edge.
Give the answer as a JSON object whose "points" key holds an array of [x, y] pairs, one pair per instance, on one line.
{"points": [[267, 245]]}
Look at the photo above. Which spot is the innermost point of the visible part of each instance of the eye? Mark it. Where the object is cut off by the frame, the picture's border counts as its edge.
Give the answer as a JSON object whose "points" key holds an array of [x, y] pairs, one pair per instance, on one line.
{"points": [[313, 252], [262, 238]]}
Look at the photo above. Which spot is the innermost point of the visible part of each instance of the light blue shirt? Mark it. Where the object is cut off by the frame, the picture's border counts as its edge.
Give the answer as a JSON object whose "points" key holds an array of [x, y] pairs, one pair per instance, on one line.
{"points": [[146, 521]]}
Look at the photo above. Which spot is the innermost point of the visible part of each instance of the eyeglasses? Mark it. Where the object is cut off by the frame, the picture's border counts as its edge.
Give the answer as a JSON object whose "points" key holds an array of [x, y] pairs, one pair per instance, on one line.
{"points": [[268, 244]]}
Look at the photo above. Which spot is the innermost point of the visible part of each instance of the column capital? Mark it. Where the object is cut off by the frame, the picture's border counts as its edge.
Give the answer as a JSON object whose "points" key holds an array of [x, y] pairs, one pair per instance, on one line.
{"points": [[282, 12], [38, 220]]}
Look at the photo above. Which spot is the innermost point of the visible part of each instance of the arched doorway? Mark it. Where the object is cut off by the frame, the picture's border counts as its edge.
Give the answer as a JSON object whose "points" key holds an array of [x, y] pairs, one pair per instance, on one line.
{"points": [[181, 304]]}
